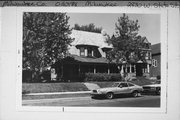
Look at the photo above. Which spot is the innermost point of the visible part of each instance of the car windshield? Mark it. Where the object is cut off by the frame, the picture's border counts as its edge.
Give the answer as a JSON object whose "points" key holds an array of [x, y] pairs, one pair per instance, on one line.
{"points": [[115, 85]]}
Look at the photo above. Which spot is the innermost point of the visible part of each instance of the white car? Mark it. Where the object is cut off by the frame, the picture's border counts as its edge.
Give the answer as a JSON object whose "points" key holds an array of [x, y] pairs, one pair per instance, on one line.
{"points": [[118, 88]]}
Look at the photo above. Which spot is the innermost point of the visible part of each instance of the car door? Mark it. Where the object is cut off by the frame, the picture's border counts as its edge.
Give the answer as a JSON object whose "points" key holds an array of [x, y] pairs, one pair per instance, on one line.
{"points": [[123, 88], [131, 87]]}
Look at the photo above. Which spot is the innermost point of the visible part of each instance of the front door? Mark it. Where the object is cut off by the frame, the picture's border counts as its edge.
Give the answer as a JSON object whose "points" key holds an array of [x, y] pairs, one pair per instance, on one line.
{"points": [[139, 71]]}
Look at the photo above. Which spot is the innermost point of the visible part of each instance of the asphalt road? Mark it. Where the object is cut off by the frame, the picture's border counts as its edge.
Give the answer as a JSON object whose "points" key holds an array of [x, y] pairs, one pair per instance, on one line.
{"points": [[143, 101]]}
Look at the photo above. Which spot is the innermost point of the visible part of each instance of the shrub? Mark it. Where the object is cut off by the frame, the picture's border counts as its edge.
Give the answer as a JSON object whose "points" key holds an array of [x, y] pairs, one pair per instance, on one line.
{"points": [[102, 77], [158, 77], [25, 92]]}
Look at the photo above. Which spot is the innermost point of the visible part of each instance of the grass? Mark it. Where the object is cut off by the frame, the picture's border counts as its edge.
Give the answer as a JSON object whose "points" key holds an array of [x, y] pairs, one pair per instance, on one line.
{"points": [[71, 87], [53, 87]]}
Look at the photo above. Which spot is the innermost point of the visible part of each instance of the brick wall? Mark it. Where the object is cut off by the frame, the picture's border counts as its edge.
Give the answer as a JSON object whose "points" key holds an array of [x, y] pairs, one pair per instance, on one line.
{"points": [[155, 68]]}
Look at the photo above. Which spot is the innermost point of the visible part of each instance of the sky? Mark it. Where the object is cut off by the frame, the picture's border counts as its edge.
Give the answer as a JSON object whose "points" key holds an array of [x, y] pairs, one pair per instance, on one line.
{"points": [[149, 23]]}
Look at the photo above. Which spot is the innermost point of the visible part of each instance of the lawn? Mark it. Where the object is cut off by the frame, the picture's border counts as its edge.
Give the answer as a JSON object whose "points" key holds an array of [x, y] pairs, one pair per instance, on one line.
{"points": [[52, 87], [70, 87]]}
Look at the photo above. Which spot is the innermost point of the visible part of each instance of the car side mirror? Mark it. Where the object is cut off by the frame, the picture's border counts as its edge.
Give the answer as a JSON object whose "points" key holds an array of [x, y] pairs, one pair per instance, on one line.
{"points": [[120, 86]]}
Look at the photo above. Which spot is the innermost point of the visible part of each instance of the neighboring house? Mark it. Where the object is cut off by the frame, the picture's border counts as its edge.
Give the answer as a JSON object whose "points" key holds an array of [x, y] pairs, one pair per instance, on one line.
{"points": [[87, 54], [156, 60]]}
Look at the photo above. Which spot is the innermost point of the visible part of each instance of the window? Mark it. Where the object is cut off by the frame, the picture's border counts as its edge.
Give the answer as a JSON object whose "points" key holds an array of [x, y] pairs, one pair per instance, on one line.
{"points": [[148, 56], [154, 63], [130, 85], [82, 52], [147, 45], [89, 52], [123, 85]]}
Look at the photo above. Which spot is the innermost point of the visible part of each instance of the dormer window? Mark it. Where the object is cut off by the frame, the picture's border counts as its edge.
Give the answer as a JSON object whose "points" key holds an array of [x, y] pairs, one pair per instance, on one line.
{"points": [[90, 52], [147, 46], [82, 51], [148, 56]]}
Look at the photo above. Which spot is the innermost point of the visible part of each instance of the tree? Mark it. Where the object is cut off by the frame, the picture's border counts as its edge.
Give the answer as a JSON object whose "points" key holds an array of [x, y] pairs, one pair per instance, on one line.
{"points": [[45, 40], [127, 44], [90, 28]]}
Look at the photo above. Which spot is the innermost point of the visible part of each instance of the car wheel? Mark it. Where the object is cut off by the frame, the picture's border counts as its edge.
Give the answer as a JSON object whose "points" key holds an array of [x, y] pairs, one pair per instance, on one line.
{"points": [[135, 94], [109, 95]]}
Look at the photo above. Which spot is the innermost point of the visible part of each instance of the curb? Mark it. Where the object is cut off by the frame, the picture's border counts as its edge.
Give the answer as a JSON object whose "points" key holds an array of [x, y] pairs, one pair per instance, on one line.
{"points": [[59, 93]]}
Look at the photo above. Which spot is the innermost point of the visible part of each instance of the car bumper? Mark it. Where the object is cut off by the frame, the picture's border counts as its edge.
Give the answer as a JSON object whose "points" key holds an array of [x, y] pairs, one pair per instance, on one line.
{"points": [[97, 95], [150, 91]]}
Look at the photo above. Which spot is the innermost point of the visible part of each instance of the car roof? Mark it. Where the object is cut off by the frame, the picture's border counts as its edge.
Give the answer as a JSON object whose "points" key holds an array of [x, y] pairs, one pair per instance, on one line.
{"points": [[124, 82]]}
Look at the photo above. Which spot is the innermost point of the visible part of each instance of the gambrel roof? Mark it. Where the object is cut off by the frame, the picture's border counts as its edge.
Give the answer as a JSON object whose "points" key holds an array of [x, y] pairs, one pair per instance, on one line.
{"points": [[89, 38]]}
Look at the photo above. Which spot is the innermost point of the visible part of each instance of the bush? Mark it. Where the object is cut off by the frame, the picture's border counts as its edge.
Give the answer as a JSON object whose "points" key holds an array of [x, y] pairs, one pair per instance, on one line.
{"points": [[102, 77], [25, 92], [158, 77]]}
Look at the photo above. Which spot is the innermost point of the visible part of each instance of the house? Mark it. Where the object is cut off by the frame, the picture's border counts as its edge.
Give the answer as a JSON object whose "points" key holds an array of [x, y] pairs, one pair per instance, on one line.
{"points": [[87, 54], [156, 60]]}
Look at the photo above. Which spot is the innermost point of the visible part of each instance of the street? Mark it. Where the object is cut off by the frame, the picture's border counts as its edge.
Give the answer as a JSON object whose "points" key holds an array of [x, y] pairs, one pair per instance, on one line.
{"points": [[143, 101]]}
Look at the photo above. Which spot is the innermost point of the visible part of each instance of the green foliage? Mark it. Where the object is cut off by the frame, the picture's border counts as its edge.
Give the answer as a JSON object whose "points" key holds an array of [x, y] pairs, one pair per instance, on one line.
{"points": [[127, 44], [158, 77], [102, 77], [45, 39], [90, 28]]}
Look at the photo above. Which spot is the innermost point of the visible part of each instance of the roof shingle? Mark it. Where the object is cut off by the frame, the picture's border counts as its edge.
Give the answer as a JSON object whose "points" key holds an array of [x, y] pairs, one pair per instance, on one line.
{"points": [[89, 38]]}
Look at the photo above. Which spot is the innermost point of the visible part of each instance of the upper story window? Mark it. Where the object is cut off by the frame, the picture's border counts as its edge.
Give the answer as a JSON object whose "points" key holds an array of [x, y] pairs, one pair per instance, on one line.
{"points": [[154, 63], [82, 51], [89, 52], [148, 56], [147, 45]]}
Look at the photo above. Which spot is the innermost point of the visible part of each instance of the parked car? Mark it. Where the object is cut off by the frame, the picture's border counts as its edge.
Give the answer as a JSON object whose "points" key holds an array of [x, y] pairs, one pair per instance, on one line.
{"points": [[118, 88], [153, 88]]}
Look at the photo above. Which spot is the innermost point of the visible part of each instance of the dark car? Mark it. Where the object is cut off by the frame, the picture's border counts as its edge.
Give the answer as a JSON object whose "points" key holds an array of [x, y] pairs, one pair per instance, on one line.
{"points": [[153, 88]]}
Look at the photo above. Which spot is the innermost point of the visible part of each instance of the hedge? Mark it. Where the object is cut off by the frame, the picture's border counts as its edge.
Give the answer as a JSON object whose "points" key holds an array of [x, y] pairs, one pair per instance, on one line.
{"points": [[102, 77]]}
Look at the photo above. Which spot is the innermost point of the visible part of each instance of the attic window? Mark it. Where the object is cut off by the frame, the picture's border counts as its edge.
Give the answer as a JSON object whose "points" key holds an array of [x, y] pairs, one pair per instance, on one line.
{"points": [[82, 52], [147, 45], [90, 52]]}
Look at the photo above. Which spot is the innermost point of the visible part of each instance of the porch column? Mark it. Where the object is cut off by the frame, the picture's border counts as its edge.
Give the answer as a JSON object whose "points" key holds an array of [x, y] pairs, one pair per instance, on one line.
{"points": [[130, 68], [134, 68], [79, 69], [93, 53], [108, 70], [85, 52], [126, 68], [147, 68], [94, 69]]}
